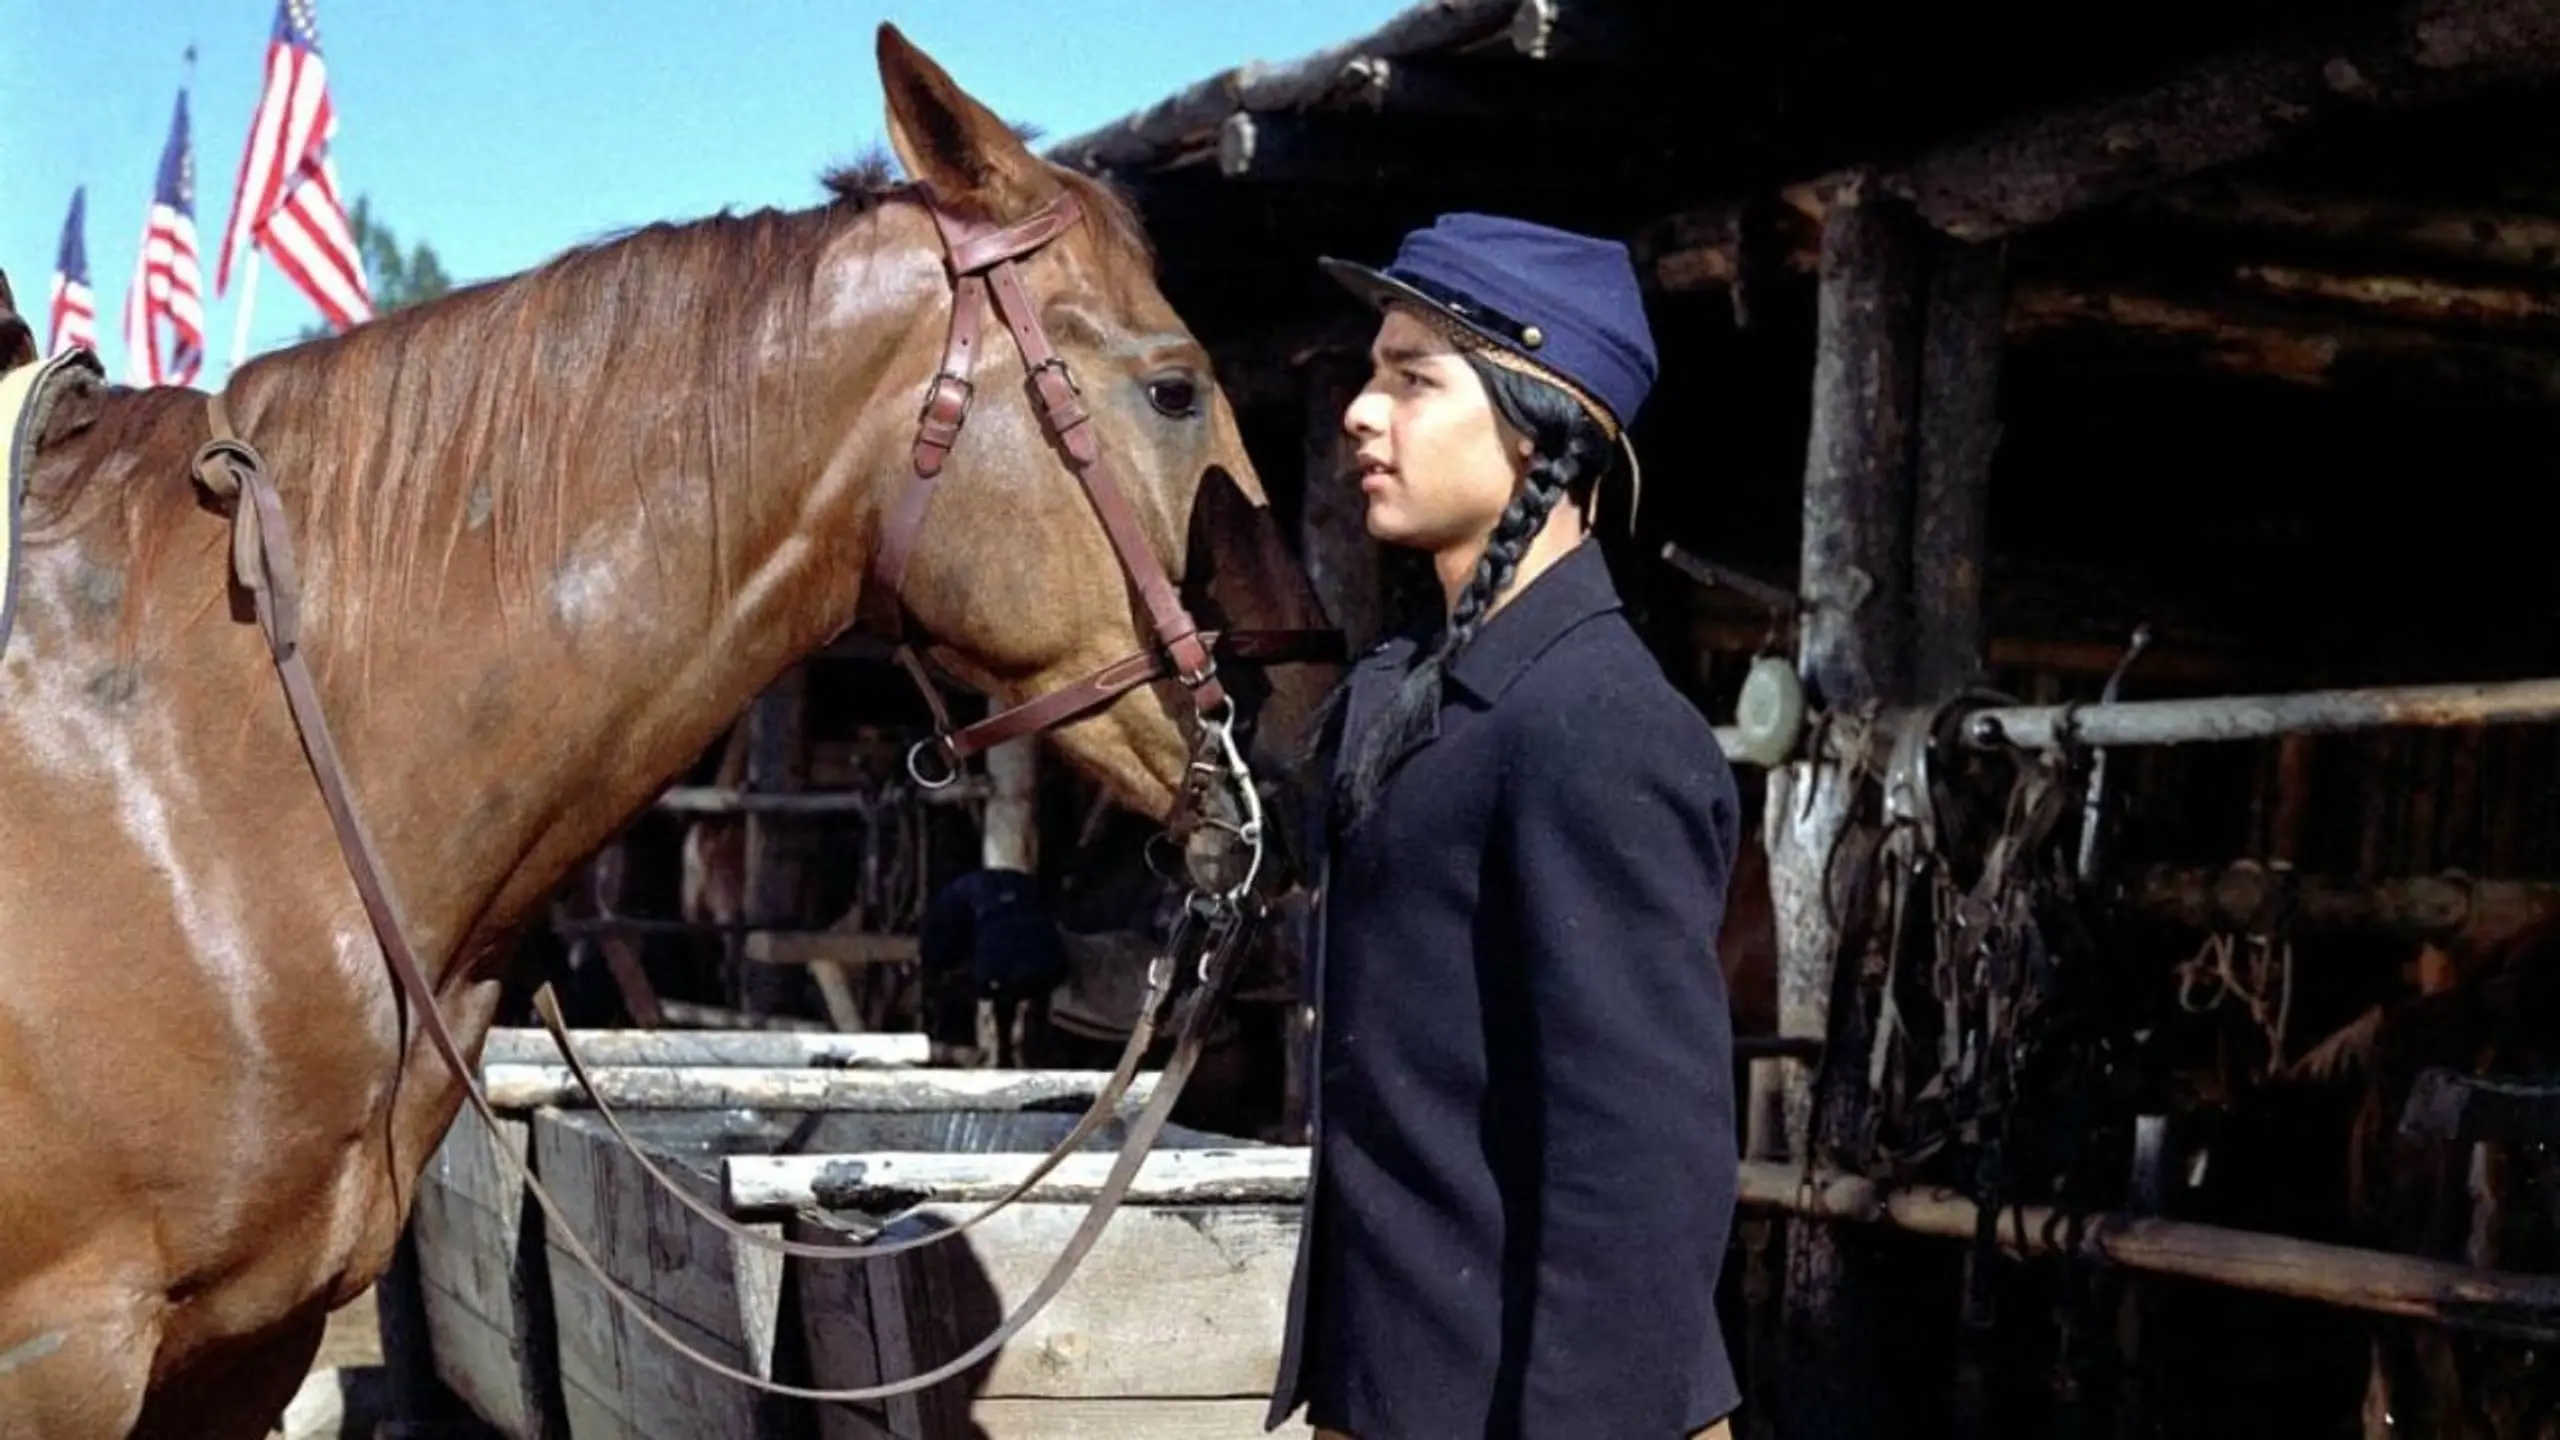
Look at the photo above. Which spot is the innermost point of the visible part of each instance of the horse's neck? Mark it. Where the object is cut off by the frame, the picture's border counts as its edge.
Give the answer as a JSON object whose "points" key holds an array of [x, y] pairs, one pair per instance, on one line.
{"points": [[496, 734]]}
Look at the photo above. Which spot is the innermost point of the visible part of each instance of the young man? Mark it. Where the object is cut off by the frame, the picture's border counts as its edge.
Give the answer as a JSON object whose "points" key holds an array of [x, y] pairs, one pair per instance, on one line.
{"points": [[1522, 1106]]}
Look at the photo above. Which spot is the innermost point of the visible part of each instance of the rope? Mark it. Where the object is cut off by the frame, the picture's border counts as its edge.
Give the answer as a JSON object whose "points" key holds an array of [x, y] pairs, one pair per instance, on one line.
{"points": [[2265, 991]]}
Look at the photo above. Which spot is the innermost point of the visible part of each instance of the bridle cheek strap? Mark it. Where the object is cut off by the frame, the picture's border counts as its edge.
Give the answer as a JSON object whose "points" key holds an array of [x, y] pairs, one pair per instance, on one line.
{"points": [[986, 272]]}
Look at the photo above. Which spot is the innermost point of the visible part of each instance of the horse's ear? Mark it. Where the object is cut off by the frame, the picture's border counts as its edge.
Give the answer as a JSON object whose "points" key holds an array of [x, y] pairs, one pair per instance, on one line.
{"points": [[950, 141]]}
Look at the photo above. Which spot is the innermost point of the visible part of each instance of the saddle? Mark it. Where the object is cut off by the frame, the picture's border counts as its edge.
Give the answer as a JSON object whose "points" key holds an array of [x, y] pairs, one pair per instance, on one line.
{"points": [[29, 388]]}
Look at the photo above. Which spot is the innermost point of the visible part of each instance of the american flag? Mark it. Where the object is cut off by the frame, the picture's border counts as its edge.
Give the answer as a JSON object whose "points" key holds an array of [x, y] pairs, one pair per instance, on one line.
{"points": [[168, 282], [287, 201], [75, 306]]}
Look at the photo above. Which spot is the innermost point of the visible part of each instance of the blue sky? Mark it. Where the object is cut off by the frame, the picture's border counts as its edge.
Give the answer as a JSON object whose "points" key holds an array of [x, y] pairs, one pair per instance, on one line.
{"points": [[501, 133]]}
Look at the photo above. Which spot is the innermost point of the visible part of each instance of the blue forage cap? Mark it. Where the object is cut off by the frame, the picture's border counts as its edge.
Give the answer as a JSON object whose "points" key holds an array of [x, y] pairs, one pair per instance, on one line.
{"points": [[1565, 302]]}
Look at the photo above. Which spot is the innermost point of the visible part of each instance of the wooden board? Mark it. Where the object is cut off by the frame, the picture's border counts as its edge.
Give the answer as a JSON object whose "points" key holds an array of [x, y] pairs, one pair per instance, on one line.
{"points": [[1262, 1174], [830, 947], [618, 1381], [1093, 1420], [1172, 1326], [1129, 1420], [725, 1087], [525, 1045], [484, 1284]]}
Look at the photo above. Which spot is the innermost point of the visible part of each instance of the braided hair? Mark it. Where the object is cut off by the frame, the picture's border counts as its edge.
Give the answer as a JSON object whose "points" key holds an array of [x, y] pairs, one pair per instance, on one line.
{"points": [[1569, 456]]}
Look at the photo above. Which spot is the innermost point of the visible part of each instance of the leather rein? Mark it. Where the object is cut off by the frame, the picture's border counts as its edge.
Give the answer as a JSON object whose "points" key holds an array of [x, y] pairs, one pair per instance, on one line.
{"points": [[1219, 910]]}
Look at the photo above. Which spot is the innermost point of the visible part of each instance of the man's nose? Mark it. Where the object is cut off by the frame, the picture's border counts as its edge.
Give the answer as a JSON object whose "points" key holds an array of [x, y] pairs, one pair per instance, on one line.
{"points": [[1360, 417]]}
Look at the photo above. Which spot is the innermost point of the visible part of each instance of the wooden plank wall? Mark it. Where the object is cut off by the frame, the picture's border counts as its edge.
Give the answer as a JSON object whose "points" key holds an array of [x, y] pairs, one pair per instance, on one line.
{"points": [[484, 1282], [1170, 1329], [618, 1381]]}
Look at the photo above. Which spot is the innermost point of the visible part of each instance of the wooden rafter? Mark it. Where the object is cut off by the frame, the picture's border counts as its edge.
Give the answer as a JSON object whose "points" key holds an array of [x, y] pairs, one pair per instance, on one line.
{"points": [[2235, 106]]}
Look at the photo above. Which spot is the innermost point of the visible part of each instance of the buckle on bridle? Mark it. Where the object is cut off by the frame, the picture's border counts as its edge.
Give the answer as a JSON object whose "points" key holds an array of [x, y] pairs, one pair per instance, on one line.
{"points": [[933, 396], [1059, 364]]}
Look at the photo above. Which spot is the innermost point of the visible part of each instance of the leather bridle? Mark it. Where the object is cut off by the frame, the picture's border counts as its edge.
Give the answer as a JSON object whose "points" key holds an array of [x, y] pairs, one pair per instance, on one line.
{"points": [[1219, 791]]}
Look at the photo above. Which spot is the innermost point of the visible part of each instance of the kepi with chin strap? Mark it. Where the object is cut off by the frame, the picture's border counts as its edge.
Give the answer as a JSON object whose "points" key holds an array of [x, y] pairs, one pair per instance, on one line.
{"points": [[1558, 306]]}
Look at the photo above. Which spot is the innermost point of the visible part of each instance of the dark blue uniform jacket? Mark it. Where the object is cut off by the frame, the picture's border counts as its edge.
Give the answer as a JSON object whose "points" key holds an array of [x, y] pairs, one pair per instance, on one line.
{"points": [[1523, 1112]]}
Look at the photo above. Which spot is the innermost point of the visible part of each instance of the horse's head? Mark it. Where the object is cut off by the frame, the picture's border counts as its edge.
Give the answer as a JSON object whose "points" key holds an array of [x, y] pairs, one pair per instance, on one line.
{"points": [[1009, 576]]}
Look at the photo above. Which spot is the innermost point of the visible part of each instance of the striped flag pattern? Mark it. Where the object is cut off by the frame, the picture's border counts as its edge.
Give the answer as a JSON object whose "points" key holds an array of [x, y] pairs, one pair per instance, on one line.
{"points": [[168, 283], [75, 305], [287, 200]]}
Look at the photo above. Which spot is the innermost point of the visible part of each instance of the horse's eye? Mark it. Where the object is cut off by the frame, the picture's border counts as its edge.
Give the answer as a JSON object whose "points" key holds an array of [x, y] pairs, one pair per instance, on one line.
{"points": [[1174, 396]]}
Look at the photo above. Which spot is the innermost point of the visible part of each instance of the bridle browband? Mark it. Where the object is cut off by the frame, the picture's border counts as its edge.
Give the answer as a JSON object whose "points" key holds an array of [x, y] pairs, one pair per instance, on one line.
{"points": [[1217, 914], [985, 269]]}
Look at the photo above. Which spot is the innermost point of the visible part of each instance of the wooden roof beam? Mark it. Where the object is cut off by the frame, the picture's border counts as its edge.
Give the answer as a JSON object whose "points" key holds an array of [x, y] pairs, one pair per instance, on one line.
{"points": [[1488, 162], [1595, 31], [1705, 250], [1188, 119], [2318, 328], [2494, 239], [2301, 350], [2231, 107]]}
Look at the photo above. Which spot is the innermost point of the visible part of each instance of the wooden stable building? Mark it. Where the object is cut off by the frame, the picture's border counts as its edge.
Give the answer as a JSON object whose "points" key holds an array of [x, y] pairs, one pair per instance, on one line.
{"points": [[1993, 335]]}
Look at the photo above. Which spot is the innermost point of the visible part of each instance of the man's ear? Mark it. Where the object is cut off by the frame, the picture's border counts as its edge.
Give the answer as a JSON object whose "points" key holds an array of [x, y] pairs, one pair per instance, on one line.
{"points": [[944, 137]]}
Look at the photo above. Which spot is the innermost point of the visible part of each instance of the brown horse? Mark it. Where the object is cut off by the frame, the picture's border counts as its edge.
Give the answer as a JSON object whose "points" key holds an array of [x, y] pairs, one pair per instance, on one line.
{"points": [[554, 533]]}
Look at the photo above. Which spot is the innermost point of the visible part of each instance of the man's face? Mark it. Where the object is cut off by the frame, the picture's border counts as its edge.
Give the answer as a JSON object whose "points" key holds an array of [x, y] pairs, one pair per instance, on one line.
{"points": [[1435, 461]]}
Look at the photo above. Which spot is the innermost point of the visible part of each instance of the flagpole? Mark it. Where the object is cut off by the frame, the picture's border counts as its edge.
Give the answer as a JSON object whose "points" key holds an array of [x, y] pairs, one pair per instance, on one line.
{"points": [[248, 302]]}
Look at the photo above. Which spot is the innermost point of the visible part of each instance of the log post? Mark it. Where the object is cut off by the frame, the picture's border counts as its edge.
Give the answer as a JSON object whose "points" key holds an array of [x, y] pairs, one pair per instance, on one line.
{"points": [[2292, 818], [776, 760], [2520, 758], [2139, 1375], [1854, 648], [608, 873], [1959, 431], [2459, 845], [1009, 840]]}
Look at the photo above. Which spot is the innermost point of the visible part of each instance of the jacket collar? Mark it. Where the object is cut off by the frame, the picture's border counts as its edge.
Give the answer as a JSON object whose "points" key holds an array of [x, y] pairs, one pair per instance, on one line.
{"points": [[1373, 680], [1574, 589]]}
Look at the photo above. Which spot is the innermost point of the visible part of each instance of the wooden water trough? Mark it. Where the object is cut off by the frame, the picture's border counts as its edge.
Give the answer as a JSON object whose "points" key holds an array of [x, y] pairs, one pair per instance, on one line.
{"points": [[1171, 1326]]}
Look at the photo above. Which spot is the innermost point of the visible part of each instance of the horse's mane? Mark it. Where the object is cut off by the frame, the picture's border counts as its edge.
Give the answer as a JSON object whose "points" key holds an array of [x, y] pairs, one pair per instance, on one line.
{"points": [[620, 360], [625, 358]]}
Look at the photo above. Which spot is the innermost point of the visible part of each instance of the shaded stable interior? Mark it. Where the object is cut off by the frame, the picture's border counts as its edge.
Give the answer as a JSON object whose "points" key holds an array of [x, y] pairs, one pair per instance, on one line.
{"points": [[2290, 412], [2280, 362]]}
